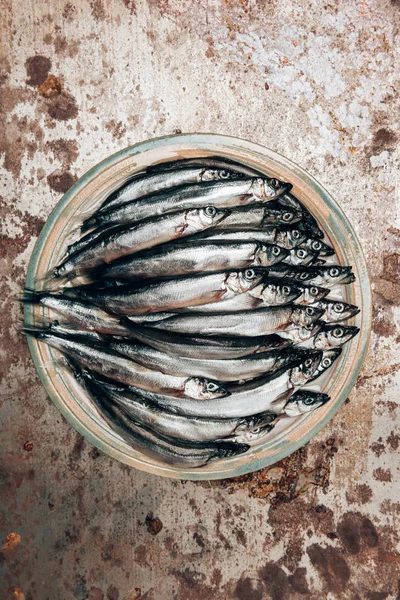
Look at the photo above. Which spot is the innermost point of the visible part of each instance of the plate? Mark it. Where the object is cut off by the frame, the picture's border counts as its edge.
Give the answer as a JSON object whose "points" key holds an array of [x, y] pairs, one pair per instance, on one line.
{"points": [[109, 175]]}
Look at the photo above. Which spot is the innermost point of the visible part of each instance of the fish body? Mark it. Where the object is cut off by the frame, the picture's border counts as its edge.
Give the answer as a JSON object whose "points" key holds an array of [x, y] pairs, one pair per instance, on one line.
{"points": [[285, 237], [194, 257], [259, 216], [139, 237], [175, 293], [314, 275], [329, 337], [209, 162]]}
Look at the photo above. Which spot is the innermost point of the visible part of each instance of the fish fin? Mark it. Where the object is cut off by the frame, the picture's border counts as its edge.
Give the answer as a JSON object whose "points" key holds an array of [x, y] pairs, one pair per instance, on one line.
{"points": [[283, 397]]}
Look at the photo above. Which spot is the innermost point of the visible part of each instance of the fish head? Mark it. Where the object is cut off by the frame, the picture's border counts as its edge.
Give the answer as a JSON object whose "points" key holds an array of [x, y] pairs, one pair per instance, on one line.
{"points": [[313, 293], [276, 294], [267, 255], [243, 281], [290, 238], [306, 369], [337, 335], [303, 402], [252, 428], [302, 276], [266, 188], [201, 388], [202, 218], [281, 216], [335, 274], [339, 311], [306, 315], [302, 334], [327, 360], [300, 256], [231, 449], [218, 175], [316, 245]]}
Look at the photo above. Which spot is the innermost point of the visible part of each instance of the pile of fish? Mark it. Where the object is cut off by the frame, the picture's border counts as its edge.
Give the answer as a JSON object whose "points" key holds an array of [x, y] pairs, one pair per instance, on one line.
{"points": [[197, 302]]}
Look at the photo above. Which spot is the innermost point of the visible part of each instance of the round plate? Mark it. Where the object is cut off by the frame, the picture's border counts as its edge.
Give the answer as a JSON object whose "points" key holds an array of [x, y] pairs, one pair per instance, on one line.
{"points": [[110, 174]]}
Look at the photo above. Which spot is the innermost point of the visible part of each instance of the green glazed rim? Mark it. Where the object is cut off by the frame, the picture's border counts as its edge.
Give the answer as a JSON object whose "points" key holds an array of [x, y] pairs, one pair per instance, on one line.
{"points": [[109, 174]]}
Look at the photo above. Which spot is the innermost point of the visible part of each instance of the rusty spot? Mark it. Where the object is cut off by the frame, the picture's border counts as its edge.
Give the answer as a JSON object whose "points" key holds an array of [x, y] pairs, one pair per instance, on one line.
{"points": [[249, 589], [37, 69], [65, 47], [391, 267], [66, 151], [28, 446], [62, 107], [266, 86], [331, 566], [50, 87], [69, 11], [116, 128], [134, 594], [112, 593], [97, 10], [393, 440], [19, 594], [12, 541], [130, 5], [61, 181], [383, 139], [384, 475], [153, 524]]}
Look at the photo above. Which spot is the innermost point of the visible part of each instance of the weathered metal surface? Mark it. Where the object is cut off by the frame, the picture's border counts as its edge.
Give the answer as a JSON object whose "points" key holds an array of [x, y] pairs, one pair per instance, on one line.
{"points": [[312, 80]]}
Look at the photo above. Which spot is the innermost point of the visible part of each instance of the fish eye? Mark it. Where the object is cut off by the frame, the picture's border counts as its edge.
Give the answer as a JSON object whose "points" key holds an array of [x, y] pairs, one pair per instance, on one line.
{"points": [[308, 401], [249, 273], [308, 362], [286, 289], [211, 387], [287, 216], [301, 253], [224, 174], [256, 430], [276, 250], [314, 291], [326, 362], [310, 311], [275, 183], [210, 211], [316, 245], [303, 275], [337, 332], [296, 234], [338, 307], [334, 272]]}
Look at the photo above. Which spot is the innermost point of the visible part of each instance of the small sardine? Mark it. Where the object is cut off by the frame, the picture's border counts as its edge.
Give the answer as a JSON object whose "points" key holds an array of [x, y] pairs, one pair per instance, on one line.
{"points": [[221, 194], [127, 371], [210, 162], [299, 257], [194, 257], [259, 216], [285, 237], [335, 310], [309, 221], [330, 336], [316, 245], [139, 237], [327, 360], [311, 294], [304, 401], [174, 293], [253, 323], [320, 276]]}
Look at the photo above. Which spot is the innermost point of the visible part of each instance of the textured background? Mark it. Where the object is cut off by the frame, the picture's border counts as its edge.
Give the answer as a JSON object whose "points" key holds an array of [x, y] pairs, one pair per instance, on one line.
{"points": [[312, 80]]}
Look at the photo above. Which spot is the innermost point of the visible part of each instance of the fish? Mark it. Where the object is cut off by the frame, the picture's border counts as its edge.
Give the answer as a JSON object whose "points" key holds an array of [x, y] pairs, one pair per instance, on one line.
{"points": [[259, 216], [221, 194], [193, 257], [191, 429], [95, 235], [309, 221], [330, 336], [285, 237], [320, 276], [317, 246], [127, 371], [262, 296], [269, 393], [173, 452], [145, 185], [173, 293], [203, 347], [299, 257], [335, 310], [139, 237], [264, 321], [210, 162], [311, 294], [237, 369], [82, 314], [304, 401], [327, 360], [301, 333]]}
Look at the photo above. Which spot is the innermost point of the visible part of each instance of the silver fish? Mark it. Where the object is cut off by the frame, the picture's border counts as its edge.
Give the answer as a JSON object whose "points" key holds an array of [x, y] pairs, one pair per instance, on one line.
{"points": [[210, 162], [335, 310], [221, 370], [316, 245], [139, 237], [259, 216], [221, 194], [96, 235], [194, 257], [204, 347], [192, 429], [127, 371], [299, 257], [321, 276], [330, 336], [301, 333], [327, 360], [146, 185], [83, 315], [309, 221], [284, 237], [254, 323], [311, 294], [265, 394], [304, 401], [175, 293]]}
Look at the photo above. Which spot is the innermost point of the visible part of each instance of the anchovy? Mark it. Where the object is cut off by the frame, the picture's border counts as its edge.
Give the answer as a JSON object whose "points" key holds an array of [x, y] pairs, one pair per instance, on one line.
{"points": [[203, 347], [221, 370], [265, 394], [139, 237], [254, 323], [211, 162], [96, 235], [327, 360], [127, 371], [330, 336], [192, 429], [317, 246], [284, 237], [335, 310], [299, 257], [311, 294], [304, 401], [321, 276], [259, 216], [83, 315], [194, 257], [175, 293], [150, 184], [309, 221], [221, 194]]}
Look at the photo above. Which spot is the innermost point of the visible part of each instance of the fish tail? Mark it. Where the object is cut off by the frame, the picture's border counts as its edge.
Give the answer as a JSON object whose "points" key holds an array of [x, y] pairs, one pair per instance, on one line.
{"points": [[35, 332], [32, 296], [89, 223]]}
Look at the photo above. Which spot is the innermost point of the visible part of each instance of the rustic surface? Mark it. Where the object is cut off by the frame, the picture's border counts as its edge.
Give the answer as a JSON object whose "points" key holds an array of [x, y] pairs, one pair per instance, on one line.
{"points": [[313, 80]]}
